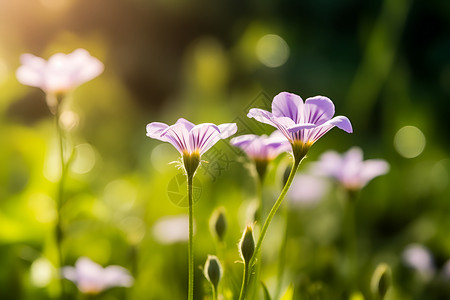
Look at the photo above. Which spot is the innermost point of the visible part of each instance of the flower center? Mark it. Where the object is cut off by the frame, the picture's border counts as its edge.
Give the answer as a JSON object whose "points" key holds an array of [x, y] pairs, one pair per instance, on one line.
{"points": [[300, 149], [191, 162]]}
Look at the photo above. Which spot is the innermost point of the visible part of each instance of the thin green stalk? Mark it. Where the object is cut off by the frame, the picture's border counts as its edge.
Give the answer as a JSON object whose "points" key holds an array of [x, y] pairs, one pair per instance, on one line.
{"points": [[282, 254], [60, 200], [257, 273], [245, 279], [191, 239], [269, 218], [214, 293], [274, 209]]}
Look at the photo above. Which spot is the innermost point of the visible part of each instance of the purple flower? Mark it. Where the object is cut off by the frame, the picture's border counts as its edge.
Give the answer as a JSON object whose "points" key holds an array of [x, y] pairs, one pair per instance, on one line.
{"points": [[262, 147], [189, 139], [349, 168], [302, 123], [61, 73], [91, 278]]}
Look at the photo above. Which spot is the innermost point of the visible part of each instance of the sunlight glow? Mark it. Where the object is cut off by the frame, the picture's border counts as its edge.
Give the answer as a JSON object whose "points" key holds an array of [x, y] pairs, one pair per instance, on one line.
{"points": [[84, 159], [409, 141], [41, 272], [272, 50]]}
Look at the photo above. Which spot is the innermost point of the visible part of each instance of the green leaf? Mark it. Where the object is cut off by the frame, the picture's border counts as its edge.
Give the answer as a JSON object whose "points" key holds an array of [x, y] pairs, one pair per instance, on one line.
{"points": [[266, 292]]}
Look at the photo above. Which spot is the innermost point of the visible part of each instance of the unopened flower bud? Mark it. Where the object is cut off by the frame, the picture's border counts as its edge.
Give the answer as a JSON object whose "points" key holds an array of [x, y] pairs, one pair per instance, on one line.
{"points": [[219, 223], [247, 244], [213, 270], [381, 281]]}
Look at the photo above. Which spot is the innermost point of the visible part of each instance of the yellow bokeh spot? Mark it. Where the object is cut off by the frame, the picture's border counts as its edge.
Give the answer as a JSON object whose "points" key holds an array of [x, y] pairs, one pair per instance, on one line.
{"points": [[272, 50], [84, 160], [409, 141], [41, 272]]}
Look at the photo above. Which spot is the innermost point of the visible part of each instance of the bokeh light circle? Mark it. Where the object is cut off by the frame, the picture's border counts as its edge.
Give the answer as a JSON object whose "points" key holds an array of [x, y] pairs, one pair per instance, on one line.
{"points": [[272, 50], [409, 141]]}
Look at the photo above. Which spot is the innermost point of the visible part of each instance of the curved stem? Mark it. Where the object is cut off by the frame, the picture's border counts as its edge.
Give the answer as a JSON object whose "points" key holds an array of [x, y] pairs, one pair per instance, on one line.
{"points": [[245, 278], [191, 237], [274, 210]]}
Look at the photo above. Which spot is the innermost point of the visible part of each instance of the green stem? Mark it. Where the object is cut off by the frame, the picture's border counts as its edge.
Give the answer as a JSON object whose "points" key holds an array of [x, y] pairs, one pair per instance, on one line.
{"points": [[297, 161], [214, 293], [245, 279], [191, 239], [60, 200], [257, 272], [274, 209], [282, 254]]}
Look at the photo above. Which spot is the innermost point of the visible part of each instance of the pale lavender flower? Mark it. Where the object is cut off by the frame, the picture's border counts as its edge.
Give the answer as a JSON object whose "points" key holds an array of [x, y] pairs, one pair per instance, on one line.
{"points": [[91, 278], [61, 73], [262, 147], [189, 139], [307, 189], [349, 169], [302, 123], [419, 258]]}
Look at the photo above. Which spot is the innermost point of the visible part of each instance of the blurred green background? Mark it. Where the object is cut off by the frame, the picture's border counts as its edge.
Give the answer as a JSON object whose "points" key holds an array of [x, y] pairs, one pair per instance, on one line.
{"points": [[385, 64]]}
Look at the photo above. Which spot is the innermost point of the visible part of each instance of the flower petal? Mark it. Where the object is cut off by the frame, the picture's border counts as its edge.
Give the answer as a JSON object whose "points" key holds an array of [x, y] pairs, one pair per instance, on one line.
{"points": [[31, 71], [287, 105], [116, 276], [178, 136], [188, 125], [343, 123], [87, 66], [261, 116], [312, 135], [318, 110], [155, 129], [373, 168], [203, 136], [243, 140], [227, 130], [298, 127]]}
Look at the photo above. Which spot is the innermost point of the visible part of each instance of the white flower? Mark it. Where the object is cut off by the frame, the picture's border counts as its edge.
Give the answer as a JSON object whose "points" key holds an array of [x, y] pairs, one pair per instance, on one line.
{"points": [[91, 278], [61, 73]]}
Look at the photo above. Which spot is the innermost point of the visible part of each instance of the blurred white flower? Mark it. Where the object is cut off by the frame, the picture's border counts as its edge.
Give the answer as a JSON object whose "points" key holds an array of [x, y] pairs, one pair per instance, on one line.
{"points": [[91, 278], [169, 230], [419, 258], [308, 189], [349, 169], [61, 73]]}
